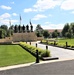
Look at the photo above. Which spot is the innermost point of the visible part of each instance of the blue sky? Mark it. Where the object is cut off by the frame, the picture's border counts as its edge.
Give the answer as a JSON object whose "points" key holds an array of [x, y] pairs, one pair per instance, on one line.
{"points": [[50, 14]]}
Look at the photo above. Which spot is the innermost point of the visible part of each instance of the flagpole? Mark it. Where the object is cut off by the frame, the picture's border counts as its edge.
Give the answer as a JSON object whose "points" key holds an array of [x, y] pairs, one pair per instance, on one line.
{"points": [[10, 23]]}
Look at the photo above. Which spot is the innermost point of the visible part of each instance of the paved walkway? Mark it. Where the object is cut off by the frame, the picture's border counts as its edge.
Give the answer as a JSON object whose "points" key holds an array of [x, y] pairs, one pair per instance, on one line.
{"points": [[58, 52]]}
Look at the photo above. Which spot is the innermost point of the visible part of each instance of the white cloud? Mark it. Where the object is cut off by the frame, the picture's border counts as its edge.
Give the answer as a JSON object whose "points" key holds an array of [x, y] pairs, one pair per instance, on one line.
{"points": [[42, 5], [39, 16], [5, 7], [4, 19], [5, 15], [46, 4], [49, 25], [14, 21], [29, 10], [68, 5], [14, 14], [46, 23]]}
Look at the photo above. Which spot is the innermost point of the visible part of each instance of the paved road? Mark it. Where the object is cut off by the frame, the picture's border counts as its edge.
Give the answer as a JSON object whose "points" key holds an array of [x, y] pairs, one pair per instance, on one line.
{"points": [[55, 68], [58, 52]]}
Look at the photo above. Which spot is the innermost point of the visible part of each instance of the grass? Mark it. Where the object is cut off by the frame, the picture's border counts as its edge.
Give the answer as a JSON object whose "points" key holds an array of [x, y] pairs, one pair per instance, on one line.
{"points": [[69, 41], [62, 42], [14, 54]]}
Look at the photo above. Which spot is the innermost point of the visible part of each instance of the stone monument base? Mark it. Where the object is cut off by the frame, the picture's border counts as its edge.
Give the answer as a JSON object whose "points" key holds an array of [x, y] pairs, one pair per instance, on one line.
{"points": [[31, 36]]}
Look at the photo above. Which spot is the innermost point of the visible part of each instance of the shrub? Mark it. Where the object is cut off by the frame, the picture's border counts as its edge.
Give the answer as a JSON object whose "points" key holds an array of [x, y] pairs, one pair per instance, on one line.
{"points": [[32, 49], [61, 43], [45, 54]]}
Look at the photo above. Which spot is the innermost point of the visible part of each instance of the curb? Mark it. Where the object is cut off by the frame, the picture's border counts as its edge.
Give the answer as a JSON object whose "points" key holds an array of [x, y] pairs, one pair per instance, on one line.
{"points": [[49, 58], [30, 64]]}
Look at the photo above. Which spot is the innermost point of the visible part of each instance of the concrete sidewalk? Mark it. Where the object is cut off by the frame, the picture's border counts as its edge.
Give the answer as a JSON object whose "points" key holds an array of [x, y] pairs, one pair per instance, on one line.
{"points": [[57, 52]]}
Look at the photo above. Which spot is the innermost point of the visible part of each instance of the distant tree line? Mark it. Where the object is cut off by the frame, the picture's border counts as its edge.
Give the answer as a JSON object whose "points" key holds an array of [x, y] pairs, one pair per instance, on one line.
{"points": [[67, 32], [5, 31], [45, 33]]}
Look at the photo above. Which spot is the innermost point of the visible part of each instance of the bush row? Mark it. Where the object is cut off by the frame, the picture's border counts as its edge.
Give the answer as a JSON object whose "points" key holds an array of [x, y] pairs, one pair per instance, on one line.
{"points": [[57, 44], [32, 50]]}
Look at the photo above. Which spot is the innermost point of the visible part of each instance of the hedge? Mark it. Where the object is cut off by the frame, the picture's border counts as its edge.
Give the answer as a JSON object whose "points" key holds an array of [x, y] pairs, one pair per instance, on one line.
{"points": [[32, 50], [57, 44]]}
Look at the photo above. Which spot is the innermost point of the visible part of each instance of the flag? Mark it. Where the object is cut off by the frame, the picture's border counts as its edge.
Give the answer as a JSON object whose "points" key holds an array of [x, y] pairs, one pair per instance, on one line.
{"points": [[30, 22], [20, 18]]}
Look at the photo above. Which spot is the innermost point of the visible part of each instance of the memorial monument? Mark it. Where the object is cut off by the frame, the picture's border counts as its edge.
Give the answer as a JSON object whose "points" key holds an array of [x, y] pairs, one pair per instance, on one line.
{"points": [[26, 34]]}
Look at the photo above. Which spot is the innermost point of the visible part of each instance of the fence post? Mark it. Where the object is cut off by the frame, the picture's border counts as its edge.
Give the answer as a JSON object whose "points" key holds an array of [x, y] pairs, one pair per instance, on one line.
{"points": [[54, 43], [30, 43], [66, 44], [37, 56], [36, 44], [46, 47], [41, 41]]}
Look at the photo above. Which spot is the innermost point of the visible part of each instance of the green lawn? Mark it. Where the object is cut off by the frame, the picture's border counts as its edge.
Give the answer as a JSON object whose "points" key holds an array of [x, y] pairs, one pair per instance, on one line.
{"points": [[62, 42], [69, 41], [14, 54]]}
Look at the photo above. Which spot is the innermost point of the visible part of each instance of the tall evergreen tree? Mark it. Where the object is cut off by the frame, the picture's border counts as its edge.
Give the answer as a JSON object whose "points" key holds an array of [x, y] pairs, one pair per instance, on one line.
{"points": [[39, 30], [65, 29], [55, 34], [5, 27], [2, 33], [72, 28], [46, 34]]}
